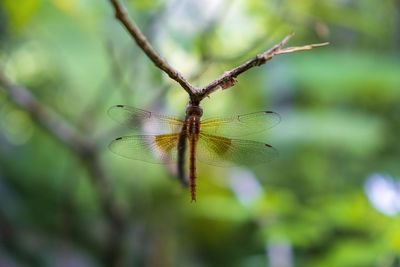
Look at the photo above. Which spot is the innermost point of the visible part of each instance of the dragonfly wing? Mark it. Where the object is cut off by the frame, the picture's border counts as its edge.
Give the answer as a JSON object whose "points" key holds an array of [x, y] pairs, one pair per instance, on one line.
{"points": [[241, 125], [150, 148], [140, 119], [222, 151]]}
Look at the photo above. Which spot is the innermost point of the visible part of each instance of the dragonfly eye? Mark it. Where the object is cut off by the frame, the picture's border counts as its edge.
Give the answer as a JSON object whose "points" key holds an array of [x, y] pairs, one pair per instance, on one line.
{"points": [[194, 110]]}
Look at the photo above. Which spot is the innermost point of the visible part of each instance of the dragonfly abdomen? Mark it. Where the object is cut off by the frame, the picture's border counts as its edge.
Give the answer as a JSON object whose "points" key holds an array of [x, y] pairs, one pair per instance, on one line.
{"points": [[192, 166], [193, 131]]}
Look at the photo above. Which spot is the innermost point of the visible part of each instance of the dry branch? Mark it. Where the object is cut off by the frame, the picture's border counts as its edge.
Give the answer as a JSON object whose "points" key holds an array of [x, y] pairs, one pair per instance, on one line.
{"points": [[228, 79], [122, 15], [225, 81]]}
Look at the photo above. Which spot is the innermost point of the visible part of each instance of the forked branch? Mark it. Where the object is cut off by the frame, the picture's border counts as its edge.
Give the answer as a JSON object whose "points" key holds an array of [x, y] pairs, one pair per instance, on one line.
{"points": [[225, 81]]}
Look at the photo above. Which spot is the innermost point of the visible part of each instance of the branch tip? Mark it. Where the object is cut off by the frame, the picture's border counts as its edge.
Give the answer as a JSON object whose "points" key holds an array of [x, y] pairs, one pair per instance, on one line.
{"points": [[286, 39]]}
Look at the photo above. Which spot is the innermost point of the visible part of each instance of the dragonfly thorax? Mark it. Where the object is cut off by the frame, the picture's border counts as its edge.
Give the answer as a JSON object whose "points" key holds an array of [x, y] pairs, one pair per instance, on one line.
{"points": [[193, 115], [194, 111]]}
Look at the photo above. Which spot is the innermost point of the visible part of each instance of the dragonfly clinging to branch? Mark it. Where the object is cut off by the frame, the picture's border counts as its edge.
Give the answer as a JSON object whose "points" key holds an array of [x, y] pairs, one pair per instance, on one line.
{"points": [[212, 141]]}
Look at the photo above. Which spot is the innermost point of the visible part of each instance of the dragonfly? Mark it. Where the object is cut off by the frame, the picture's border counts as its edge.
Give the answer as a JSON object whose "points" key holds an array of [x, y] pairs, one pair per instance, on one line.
{"points": [[214, 141]]}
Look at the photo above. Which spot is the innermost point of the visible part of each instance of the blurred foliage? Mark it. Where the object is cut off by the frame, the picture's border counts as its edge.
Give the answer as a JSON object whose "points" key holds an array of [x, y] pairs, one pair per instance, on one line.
{"points": [[310, 207]]}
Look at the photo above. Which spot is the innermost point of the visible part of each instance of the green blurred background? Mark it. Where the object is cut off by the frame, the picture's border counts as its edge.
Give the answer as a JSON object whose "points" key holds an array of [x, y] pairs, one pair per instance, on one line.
{"points": [[332, 197]]}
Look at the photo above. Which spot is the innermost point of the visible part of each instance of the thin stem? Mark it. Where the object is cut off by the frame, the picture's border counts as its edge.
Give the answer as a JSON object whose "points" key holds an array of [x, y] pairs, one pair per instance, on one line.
{"points": [[122, 15]]}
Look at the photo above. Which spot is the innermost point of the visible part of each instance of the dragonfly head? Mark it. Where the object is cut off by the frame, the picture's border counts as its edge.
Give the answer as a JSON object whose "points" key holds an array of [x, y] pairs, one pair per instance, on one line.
{"points": [[194, 110]]}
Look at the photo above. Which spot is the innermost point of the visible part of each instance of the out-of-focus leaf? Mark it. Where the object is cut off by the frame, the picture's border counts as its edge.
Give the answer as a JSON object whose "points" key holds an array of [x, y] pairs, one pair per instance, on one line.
{"points": [[20, 12]]}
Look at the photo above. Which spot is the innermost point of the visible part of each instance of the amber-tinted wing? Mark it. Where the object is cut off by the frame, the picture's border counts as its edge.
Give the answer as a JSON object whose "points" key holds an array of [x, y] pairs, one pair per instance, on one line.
{"points": [[240, 125], [150, 148], [222, 151], [139, 119]]}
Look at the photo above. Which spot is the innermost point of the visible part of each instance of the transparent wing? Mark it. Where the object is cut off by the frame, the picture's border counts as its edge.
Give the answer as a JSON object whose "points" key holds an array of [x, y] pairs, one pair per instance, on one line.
{"points": [[241, 125], [150, 148], [147, 121], [222, 151]]}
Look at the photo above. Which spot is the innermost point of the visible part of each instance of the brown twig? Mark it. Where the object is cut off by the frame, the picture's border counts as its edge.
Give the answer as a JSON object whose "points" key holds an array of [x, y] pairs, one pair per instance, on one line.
{"points": [[228, 79], [58, 128], [225, 81], [122, 15]]}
